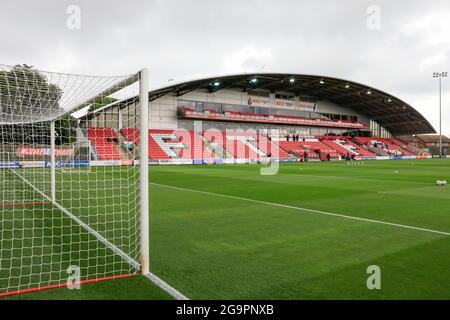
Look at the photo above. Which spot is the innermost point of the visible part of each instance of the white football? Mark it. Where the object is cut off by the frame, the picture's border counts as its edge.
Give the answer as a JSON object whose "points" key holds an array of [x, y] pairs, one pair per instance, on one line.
{"points": [[444, 182], [439, 182]]}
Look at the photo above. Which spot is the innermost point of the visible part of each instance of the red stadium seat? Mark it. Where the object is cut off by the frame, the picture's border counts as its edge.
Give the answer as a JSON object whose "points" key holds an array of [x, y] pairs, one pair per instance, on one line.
{"points": [[104, 140]]}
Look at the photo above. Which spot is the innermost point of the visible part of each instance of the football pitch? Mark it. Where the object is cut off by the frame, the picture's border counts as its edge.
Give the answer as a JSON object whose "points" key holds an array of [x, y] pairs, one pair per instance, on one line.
{"points": [[309, 232]]}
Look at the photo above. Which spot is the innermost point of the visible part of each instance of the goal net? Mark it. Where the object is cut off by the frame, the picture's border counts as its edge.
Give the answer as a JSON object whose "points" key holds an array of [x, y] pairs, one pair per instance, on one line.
{"points": [[72, 209]]}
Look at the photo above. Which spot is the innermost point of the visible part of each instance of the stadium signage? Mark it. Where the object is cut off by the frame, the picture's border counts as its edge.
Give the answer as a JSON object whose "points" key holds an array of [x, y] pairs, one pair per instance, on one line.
{"points": [[258, 102], [288, 104], [44, 152], [72, 164], [281, 103], [10, 164], [32, 164], [69, 164], [105, 163]]}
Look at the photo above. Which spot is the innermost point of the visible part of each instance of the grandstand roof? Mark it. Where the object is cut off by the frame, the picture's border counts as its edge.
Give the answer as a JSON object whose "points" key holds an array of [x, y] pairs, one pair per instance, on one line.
{"points": [[390, 112], [432, 138]]}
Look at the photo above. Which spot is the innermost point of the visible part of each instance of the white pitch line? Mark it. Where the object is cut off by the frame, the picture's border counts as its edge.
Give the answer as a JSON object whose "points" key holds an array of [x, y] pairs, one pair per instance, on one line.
{"points": [[166, 287], [362, 178], [307, 210]]}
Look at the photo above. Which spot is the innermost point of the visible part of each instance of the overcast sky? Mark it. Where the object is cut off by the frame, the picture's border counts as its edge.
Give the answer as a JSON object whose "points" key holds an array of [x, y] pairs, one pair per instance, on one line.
{"points": [[391, 45]]}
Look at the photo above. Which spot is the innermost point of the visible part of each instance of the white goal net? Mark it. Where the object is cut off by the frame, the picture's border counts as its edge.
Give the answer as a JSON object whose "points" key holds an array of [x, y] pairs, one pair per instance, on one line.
{"points": [[70, 188]]}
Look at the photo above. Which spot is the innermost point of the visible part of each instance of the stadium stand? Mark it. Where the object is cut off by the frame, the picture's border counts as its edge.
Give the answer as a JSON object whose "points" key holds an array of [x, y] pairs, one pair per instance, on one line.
{"points": [[298, 149], [292, 104], [347, 145], [408, 147], [269, 147], [245, 145], [384, 144], [426, 144], [339, 147], [240, 145], [165, 141], [154, 152], [194, 146], [166, 144], [171, 144], [315, 149], [105, 142]]}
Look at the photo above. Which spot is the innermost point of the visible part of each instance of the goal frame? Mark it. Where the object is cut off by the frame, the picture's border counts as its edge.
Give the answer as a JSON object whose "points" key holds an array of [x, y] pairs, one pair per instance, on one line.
{"points": [[144, 172], [144, 241]]}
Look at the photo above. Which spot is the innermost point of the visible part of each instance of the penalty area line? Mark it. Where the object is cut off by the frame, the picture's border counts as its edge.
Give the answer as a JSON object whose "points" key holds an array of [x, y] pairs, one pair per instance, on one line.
{"points": [[392, 224]]}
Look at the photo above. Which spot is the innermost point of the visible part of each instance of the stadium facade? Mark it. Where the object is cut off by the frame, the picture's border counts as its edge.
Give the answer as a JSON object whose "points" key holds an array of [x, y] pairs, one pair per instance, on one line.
{"points": [[251, 116]]}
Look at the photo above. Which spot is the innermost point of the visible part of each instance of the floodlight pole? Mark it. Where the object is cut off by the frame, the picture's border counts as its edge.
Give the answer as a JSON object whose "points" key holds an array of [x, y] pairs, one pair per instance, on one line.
{"points": [[144, 179], [52, 162], [440, 117], [440, 76]]}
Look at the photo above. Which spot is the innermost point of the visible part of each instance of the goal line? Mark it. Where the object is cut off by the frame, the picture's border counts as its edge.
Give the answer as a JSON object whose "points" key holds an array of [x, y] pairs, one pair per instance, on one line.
{"points": [[24, 204], [65, 285]]}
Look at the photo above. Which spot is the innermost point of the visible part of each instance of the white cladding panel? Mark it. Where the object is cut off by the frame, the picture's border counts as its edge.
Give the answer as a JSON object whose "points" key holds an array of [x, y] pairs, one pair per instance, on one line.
{"points": [[163, 113]]}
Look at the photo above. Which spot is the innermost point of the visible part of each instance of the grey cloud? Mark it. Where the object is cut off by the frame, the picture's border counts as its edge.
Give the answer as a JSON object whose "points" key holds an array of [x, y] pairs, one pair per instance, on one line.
{"points": [[186, 38]]}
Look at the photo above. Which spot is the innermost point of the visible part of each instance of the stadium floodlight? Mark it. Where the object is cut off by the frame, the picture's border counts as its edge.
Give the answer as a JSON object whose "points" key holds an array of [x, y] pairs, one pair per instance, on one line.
{"points": [[73, 197], [292, 80], [440, 75], [389, 100], [254, 80], [216, 84], [347, 86], [369, 91], [322, 81]]}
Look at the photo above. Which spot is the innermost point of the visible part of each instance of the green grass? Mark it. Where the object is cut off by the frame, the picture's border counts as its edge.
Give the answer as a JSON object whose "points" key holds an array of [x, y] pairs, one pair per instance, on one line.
{"points": [[214, 247]]}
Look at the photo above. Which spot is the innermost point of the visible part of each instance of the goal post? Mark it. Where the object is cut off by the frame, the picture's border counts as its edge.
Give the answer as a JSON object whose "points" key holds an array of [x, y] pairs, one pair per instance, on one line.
{"points": [[60, 227], [53, 161], [144, 177]]}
